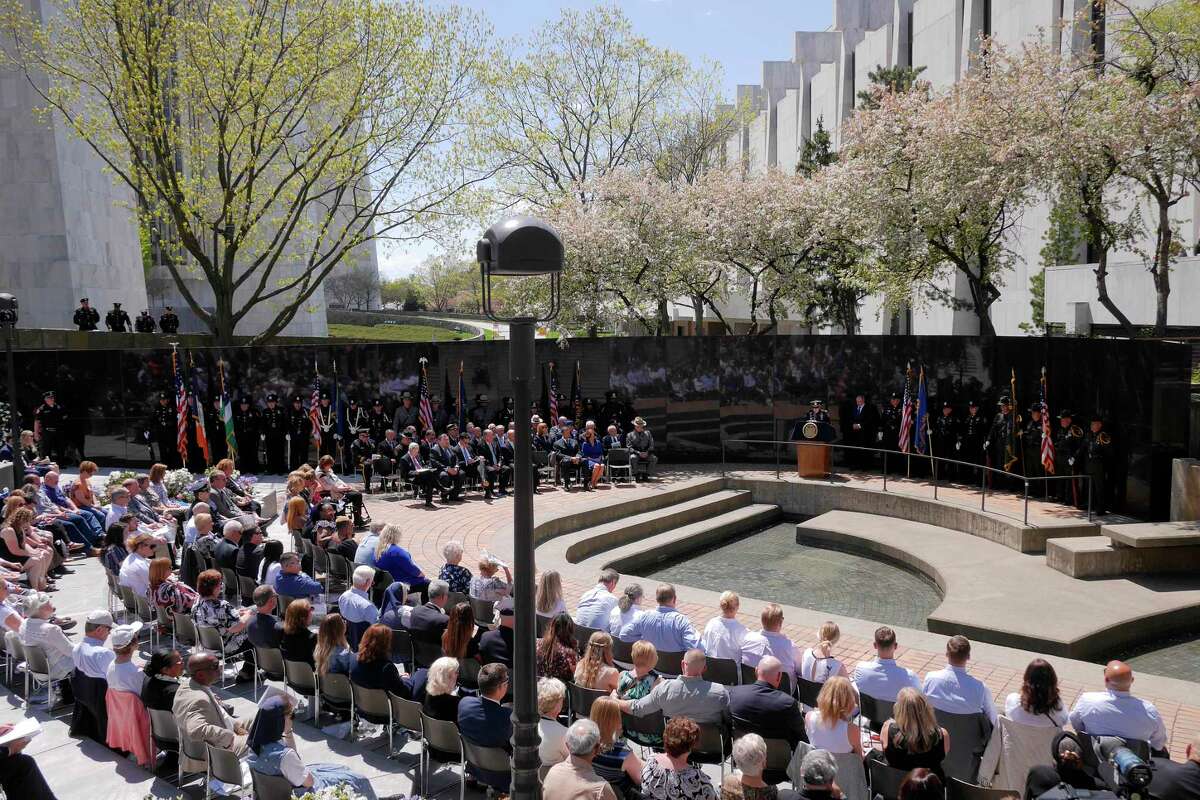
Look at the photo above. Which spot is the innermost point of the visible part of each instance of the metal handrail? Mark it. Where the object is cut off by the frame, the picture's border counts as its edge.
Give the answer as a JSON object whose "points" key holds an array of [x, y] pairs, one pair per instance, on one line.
{"points": [[934, 460]]}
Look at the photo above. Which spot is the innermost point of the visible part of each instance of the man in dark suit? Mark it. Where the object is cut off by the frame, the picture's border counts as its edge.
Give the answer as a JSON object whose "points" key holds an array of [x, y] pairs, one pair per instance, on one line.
{"points": [[496, 646], [858, 429], [761, 708], [1173, 781], [450, 473], [420, 472], [568, 459], [250, 554], [226, 552], [494, 468], [428, 621], [484, 721], [265, 629]]}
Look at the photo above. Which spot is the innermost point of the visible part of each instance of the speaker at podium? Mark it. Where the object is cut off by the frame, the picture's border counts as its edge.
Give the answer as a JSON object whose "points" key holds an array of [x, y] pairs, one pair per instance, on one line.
{"points": [[814, 456]]}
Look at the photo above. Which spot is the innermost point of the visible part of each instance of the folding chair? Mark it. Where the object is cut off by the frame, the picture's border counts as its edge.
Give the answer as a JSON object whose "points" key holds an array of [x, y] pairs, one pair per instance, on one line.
{"points": [[618, 461], [962, 790], [885, 780], [184, 629], [969, 736], [875, 711], [484, 610], [581, 700], [406, 714], [808, 691], [669, 662], [582, 634], [270, 787], [711, 747], [721, 670], [373, 706], [164, 730], [226, 767], [299, 675], [440, 741], [37, 669], [492, 759], [246, 587], [230, 579], [468, 673], [425, 653], [402, 648], [336, 692], [623, 652], [212, 641], [268, 660], [196, 750]]}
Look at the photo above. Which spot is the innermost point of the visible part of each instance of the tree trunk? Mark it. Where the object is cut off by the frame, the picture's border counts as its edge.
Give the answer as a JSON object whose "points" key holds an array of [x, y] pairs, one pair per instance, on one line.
{"points": [[1162, 271], [1102, 289], [664, 319], [698, 305]]}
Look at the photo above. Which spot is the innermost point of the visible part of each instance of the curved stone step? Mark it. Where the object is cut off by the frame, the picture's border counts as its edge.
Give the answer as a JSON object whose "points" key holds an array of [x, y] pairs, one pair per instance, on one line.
{"points": [[600, 538], [641, 556]]}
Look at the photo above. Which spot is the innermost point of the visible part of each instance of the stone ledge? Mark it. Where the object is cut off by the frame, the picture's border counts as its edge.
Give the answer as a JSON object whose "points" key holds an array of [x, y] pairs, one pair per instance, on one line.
{"points": [[1154, 534], [1098, 557]]}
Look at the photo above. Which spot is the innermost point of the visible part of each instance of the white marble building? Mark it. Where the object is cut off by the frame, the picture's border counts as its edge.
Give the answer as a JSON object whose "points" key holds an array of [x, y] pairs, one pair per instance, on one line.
{"points": [[828, 68]]}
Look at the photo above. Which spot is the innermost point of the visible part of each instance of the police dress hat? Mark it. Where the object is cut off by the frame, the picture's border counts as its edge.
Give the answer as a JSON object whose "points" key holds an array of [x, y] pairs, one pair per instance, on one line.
{"points": [[1037, 407], [895, 396], [244, 400], [947, 404], [1005, 400], [116, 305], [169, 308], [47, 394], [410, 430], [461, 436], [84, 300], [325, 396], [816, 402], [352, 401], [164, 396], [639, 421], [972, 403], [378, 401], [1065, 413], [272, 398], [435, 399], [406, 396], [297, 398], [481, 398], [1096, 416]]}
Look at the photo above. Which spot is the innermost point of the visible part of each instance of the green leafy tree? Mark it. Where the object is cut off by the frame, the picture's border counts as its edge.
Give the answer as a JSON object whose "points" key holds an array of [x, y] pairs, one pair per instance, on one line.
{"points": [[887, 80], [818, 151], [267, 140]]}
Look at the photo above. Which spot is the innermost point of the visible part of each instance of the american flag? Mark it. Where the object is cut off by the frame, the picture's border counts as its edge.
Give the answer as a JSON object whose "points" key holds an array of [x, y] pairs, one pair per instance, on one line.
{"points": [[1047, 436], [425, 410], [906, 419], [181, 406], [314, 406], [553, 394]]}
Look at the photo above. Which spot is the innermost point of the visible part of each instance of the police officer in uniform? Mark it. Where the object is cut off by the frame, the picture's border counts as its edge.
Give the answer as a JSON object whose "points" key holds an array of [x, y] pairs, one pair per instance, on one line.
{"points": [[378, 420], [162, 431], [49, 427], [117, 320], [407, 414], [245, 433], [169, 321], [362, 456], [356, 419], [1068, 443], [1031, 448], [86, 317], [274, 430], [480, 415], [299, 429], [889, 429], [507, 413], [974, 434], [1002, 439], [327, 423], [1098, 464], [144, 322], [946, 441]]}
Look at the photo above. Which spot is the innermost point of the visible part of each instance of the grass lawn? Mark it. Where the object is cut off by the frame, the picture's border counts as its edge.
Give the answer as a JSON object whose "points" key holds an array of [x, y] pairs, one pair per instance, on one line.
{"points": [[396, 333]]}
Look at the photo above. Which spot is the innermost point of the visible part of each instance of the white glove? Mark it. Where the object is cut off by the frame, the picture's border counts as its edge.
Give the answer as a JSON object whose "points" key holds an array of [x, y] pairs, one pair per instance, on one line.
{"points": [[958, 445], [986, 445], [262, 437]]}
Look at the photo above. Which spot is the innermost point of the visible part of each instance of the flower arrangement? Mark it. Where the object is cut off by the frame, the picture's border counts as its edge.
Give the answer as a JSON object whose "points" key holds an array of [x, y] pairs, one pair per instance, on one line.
{"points": [[178, 481], [342, 792], [114, 481]]}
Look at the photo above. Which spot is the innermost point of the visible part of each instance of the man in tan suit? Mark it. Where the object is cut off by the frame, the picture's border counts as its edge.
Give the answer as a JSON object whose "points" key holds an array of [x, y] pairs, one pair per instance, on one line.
{"points": [[200, 716]]}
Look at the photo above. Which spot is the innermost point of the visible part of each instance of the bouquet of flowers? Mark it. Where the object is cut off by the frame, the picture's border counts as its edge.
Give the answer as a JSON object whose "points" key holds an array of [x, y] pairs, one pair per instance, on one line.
{"points": [[114, 481], [178, 482]]}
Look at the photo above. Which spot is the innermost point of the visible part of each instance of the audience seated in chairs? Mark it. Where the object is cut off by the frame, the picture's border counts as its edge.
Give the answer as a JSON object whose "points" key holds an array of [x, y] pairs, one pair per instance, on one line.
{"points": [[953, 690], [456, 576], [551, 696], [167, 591], [441, 690], [629, 605], [355, 604], [761, 708], [750, 756], [214, 611], [265, 629], [828, 725], [689, 695], [616, 762], [912, 738], [725, 636], [461, 638], [882, 678], [1116, 712], [128, 721], [333, 653], [496, 646], [201, 717], [291, 582], [163, 671], [664, 627], [596, 605], [38, 630], [296, 641], [556, 653], [817, 664], [771, 641], [89, 682], [548, 601], [20, 776], [398, 562], [483, 721], [595, 669], [574, 777], [636, 683], [488, 585], [670, 775], [428, 621], [273, 752], [373, 669]]}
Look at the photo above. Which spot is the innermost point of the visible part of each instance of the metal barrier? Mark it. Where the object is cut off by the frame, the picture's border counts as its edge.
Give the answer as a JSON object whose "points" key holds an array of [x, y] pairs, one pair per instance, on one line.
{"points": [[984, 470]]}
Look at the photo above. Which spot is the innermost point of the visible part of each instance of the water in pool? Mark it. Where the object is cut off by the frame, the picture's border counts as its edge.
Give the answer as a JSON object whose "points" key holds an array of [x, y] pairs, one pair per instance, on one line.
{"points": [[770, 565]]}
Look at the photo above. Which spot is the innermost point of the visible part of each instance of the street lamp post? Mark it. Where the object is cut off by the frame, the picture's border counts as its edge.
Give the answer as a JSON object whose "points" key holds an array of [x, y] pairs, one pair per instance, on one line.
{"points": [[522, 247], [8, 321]]}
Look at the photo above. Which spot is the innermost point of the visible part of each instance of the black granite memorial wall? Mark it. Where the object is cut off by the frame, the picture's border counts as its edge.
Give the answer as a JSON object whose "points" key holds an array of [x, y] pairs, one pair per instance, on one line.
{"points": [[695, 392]]}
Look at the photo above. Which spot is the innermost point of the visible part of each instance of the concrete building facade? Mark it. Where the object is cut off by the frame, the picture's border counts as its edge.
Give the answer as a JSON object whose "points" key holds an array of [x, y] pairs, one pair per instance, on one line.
{"points": [[939, 35]]}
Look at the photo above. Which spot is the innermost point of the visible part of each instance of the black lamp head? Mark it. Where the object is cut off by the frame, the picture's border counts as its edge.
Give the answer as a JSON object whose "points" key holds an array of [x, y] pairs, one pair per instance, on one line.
{"points": [[520, 247]]}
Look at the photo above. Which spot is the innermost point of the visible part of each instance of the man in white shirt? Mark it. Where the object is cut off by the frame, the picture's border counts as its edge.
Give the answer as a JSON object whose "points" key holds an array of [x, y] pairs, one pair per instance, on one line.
{"points": [[91, 657], [597, 603], [724, 636], [355, 603], [883, 678], [953, 690], [1116, 712], [135, 569], [771, 642]]}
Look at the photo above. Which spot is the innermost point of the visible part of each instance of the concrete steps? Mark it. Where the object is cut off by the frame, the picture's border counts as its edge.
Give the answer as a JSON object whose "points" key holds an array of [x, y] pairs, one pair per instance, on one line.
{"points": [[591, 541], [642, 555]]}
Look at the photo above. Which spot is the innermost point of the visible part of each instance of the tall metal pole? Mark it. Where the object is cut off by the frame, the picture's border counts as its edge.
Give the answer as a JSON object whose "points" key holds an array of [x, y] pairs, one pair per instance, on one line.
{"points": [[14, 421], [525, 739]]}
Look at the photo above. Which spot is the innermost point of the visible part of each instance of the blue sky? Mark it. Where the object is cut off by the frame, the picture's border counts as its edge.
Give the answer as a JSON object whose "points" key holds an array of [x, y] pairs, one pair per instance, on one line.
{"points": [[739, 34]]}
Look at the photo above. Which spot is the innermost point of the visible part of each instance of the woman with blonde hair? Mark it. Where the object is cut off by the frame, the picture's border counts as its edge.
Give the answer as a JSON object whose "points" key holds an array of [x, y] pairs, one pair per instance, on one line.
{"points": [[167, 591], [818, 664], [296, 516], [616, 762], [596, 670], [828, 726], [487, 585], [81, 494], [441, 690], [636, 683], [549, 600], [912, 739], [724, 635]]}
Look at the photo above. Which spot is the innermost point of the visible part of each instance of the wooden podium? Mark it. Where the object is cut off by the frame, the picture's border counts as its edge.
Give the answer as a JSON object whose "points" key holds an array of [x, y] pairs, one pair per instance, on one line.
{"points": [[813, 459]]}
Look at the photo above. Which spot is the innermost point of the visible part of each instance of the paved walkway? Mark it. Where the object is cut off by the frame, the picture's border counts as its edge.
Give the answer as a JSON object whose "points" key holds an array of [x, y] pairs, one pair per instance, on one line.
{"points": [[476, 523]]}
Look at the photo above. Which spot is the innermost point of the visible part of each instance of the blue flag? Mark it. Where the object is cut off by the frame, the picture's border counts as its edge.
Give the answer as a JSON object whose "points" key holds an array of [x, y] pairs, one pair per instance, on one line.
{"points": [[462, 401], [922, 415]]}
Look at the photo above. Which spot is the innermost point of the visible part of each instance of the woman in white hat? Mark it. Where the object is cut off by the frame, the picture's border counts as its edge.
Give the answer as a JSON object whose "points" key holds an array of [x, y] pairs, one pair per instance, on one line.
{"points": [[128, 720]]}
